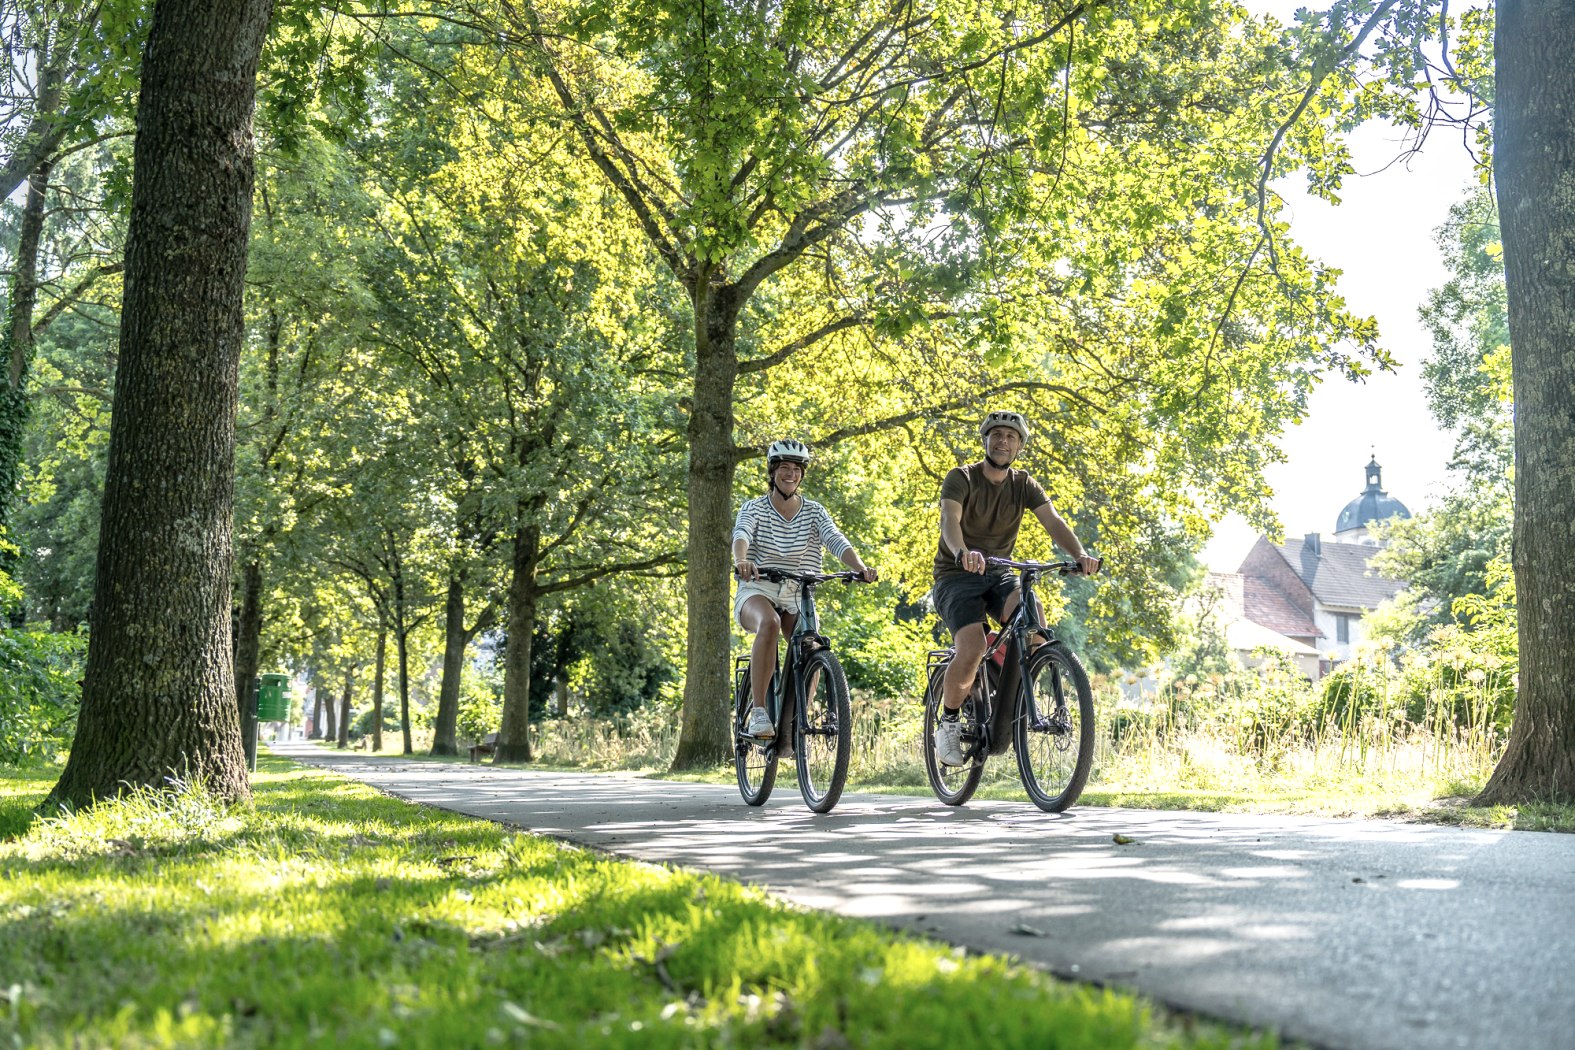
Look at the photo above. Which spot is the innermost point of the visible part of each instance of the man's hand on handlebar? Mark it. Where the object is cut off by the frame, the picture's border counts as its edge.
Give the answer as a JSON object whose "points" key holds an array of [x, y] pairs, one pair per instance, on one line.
{"points": [[972, 561], [1089, 564]]}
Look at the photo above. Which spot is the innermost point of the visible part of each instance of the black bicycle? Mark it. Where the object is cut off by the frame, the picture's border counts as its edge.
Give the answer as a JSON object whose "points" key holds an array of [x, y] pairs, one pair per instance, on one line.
{"points": [[810, 701], [1031, 693]]}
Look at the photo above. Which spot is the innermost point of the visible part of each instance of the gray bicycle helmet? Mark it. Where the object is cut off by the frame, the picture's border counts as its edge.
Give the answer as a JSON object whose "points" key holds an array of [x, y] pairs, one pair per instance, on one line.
{"points": [[1004, 419]]}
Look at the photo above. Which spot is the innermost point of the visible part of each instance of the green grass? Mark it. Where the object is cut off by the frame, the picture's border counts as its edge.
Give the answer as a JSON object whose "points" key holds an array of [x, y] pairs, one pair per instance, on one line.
{"points": [[329, 915]]}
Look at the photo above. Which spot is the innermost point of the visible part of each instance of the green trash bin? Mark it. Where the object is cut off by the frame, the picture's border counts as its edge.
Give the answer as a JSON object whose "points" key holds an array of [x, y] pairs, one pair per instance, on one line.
{"points": [[273, 698]]}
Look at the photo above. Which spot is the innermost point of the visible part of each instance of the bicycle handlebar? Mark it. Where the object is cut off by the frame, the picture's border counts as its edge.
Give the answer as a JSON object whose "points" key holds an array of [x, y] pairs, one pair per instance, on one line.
{"points": [[782, 576], [1065, 568]]}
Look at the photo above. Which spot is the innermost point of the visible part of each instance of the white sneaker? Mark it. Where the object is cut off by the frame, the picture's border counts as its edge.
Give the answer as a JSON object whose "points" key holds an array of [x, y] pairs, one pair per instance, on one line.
{"points": [[760, 724], [948, 743]]}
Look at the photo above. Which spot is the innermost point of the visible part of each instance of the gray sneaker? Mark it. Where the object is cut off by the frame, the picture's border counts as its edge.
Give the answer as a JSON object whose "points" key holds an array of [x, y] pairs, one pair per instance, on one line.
{"points": [[948, 743], [760, 724]]}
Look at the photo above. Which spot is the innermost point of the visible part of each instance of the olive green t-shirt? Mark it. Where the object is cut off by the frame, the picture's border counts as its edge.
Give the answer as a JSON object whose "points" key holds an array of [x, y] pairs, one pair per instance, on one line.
{"points": [[991, 513]]}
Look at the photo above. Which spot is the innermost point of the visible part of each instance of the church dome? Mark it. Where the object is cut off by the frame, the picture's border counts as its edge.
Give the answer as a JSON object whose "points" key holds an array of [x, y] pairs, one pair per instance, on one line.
{"points": [[1374, 504]]}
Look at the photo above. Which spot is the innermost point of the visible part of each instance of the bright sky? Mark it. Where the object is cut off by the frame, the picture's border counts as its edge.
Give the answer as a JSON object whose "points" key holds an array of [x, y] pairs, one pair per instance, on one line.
{"points": [[1381, 236]]}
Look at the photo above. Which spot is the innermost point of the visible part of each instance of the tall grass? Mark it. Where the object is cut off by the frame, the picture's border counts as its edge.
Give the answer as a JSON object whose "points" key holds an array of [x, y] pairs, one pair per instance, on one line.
{"points": [[1264, 741]]}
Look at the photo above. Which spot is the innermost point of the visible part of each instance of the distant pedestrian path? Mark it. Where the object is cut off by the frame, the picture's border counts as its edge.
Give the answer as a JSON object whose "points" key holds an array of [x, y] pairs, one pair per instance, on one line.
{"points": [[1367, 935]]}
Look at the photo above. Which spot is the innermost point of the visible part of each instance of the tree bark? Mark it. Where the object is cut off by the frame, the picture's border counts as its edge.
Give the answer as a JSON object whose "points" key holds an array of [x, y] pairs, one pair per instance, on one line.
{"points": [[343, 739], [402, 646], [17, 357], [705, 737], [330, 716], [317, 715], [513, 743], [377, 688], [15, 405], [158, 697], [455, 639], [248, 646], [1534, 166]]}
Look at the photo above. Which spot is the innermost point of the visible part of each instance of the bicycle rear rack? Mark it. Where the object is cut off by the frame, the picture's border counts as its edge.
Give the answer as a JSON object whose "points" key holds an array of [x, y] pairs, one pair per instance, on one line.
{"points": [[936, 659], [740, 669]]}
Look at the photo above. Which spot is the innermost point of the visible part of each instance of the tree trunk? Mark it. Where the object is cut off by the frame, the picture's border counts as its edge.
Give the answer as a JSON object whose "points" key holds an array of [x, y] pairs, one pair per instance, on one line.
{"points": [[248, 647], [402, 629], [344, 710], [705, 738], [560, 693], [377, 689], [316, 732], [455, 639], [402, 644], [1534, 167], [514, 735], [17, 357], [330, 716], [158, 697]]}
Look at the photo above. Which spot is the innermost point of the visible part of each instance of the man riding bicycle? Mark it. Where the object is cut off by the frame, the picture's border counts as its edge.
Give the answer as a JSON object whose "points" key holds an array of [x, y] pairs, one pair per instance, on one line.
{"points": [[982, 507], [780, 530]]}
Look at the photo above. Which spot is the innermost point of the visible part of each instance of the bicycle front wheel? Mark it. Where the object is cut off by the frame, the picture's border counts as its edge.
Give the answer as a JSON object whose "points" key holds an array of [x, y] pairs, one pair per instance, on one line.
{"points": [[822, 731], [1054, 736], [953, 785], [755, 761]]}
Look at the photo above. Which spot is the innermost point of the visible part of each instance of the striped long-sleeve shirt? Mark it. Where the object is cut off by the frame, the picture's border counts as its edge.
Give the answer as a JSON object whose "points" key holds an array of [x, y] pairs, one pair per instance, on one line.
{"points": [[790, 545]]}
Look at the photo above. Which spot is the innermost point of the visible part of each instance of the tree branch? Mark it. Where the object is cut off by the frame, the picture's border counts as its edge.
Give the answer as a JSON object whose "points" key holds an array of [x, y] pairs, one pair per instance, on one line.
{"points": [[776, 357], [601, 572]]}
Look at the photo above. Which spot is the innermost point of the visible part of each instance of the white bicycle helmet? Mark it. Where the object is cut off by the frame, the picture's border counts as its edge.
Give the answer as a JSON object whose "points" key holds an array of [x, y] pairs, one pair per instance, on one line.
{"points": [[786, 450], [1004, 419]]}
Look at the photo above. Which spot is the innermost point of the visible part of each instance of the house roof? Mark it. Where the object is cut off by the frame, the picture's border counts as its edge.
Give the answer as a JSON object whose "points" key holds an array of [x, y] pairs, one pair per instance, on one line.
{"points": [[1263, 604], [1246, 635], [1337, 573]]}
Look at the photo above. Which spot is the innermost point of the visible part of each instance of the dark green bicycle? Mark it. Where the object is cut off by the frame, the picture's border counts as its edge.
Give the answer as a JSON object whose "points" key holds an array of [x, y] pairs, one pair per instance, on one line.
{"points": [[809, 703], [1031, 694]]}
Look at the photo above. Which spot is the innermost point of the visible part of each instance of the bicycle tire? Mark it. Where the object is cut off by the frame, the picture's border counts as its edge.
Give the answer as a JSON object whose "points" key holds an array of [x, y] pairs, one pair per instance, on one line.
{"points": [[953, 785], [754, 761], [822, 731], [1054, 737]]}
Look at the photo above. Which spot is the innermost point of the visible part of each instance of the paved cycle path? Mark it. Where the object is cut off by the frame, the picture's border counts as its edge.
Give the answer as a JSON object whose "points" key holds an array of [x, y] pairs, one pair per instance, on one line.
{"points": [[1349, 934]]}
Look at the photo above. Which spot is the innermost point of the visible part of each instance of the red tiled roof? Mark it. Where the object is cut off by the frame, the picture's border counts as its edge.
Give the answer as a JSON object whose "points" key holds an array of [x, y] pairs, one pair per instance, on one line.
{"points": [[1267, 606]]}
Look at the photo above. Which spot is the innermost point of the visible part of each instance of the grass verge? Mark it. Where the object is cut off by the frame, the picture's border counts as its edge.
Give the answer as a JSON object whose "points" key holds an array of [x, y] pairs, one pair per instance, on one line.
{"points": [[329, 915]]}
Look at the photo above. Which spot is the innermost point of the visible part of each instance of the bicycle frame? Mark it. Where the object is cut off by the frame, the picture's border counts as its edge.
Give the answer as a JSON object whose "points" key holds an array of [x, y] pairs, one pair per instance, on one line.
{"points": [[806, 638], [1012, 680]]}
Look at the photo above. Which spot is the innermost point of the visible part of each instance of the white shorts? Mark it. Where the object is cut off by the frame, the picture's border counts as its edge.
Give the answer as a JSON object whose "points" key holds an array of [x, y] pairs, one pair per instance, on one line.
{"points": [[784, 596]]}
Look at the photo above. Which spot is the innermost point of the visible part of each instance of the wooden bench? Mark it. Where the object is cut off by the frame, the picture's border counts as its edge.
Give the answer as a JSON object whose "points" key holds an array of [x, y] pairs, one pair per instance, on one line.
{"points": [[487, 745]]}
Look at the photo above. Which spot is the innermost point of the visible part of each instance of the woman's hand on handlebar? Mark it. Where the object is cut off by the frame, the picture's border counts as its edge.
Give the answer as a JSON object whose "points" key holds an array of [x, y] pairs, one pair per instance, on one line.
{"points": [[746, 570], [869, 574]]}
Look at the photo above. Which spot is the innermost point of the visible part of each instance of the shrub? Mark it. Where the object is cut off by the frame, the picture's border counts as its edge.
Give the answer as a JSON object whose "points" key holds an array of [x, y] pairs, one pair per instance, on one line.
{"points": [[361, 725], [40, 691]]}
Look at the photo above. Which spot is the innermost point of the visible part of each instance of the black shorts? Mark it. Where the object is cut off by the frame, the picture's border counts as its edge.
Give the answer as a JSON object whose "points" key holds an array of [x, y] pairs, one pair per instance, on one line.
{"points": [[963, 598]]}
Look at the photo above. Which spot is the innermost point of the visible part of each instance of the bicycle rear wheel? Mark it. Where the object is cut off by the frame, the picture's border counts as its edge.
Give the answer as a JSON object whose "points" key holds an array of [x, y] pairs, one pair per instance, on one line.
{"points": [[1054, 737], [953, 785], [823, 732], [755, 761]]}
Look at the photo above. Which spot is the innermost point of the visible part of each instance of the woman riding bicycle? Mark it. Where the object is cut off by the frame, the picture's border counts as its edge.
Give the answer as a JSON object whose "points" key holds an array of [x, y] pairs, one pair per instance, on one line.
{"points": [[982, 507], [780, 530]]}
